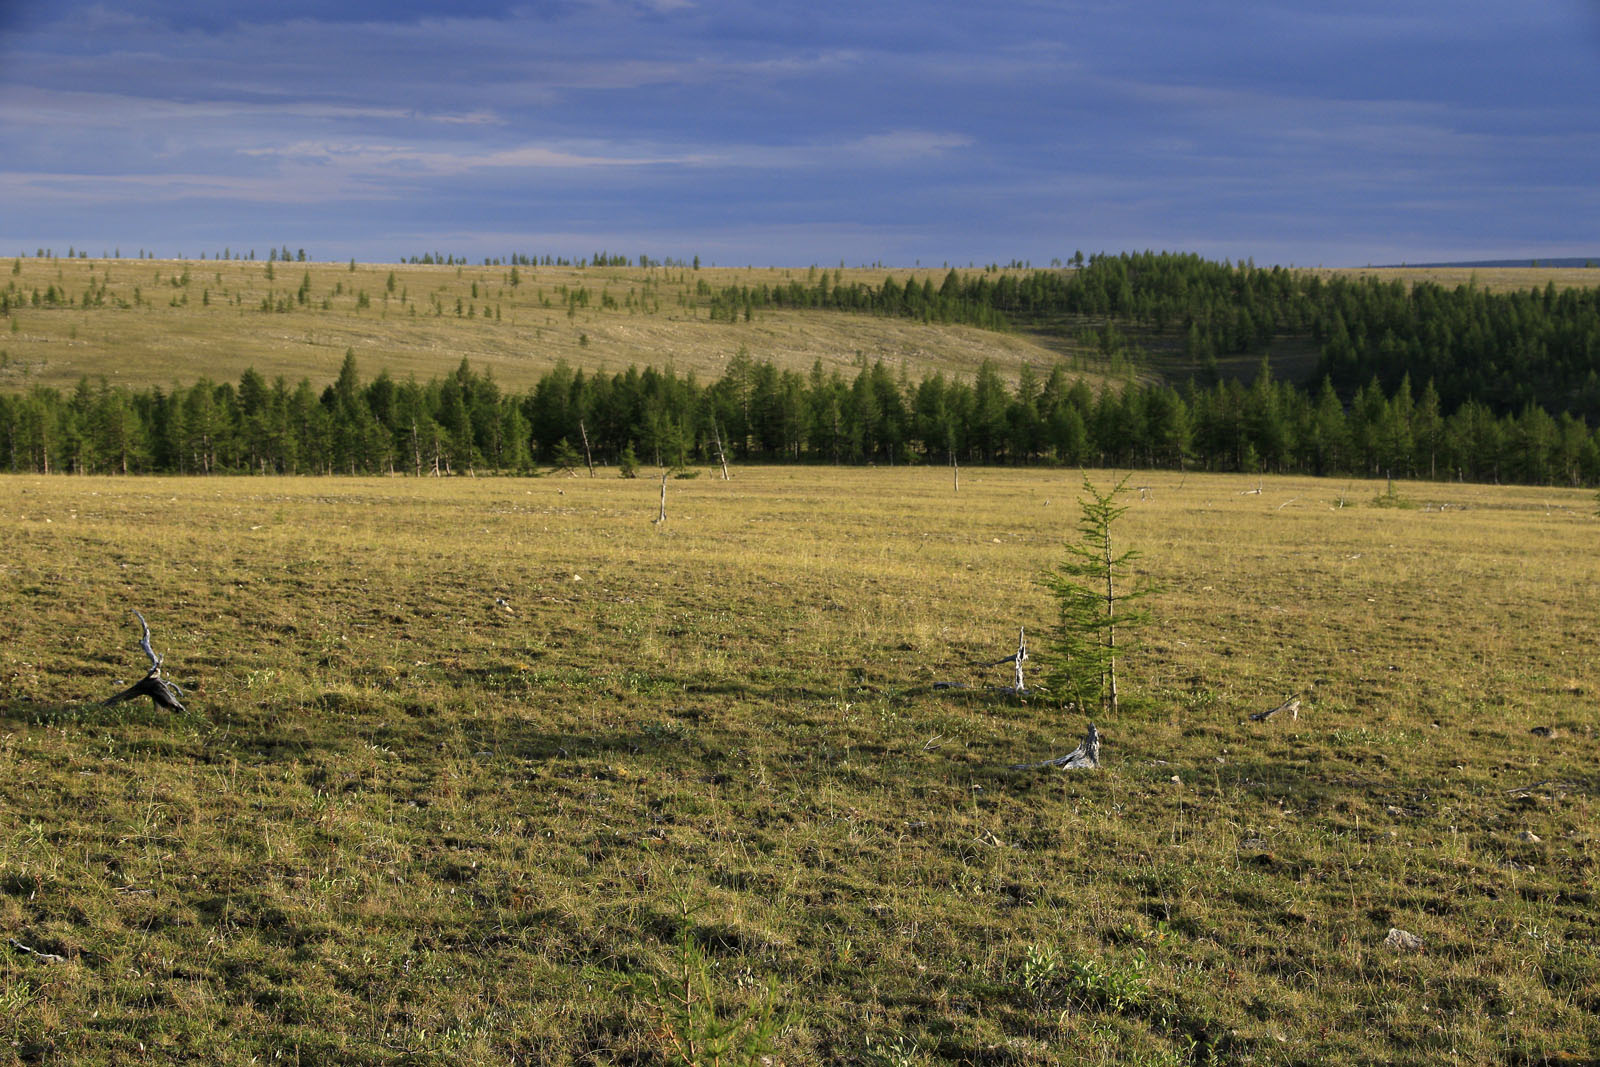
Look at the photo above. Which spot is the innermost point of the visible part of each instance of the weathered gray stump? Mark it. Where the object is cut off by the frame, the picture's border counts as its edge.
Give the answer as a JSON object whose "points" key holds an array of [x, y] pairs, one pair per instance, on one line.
{"points": [[152, 685], [1292, 706], [1085, 757]]}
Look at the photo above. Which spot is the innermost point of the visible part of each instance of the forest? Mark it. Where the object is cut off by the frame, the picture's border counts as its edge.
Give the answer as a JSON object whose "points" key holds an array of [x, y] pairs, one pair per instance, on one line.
{"points": [[1506, 350], [465, 423]]}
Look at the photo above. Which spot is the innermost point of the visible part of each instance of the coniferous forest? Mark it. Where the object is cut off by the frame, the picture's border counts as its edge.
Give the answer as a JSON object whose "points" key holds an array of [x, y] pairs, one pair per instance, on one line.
{"points": [[1412, 380]]}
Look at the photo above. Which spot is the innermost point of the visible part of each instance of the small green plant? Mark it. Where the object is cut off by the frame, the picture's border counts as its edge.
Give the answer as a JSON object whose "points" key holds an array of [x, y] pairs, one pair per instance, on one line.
{"points": [[14, 997], [566, 457], [1048, 977], [1115, 988], [628, 462], [1391, 499], [1093, 597], [900, 1052], [1040, 972], [692, 1027]]}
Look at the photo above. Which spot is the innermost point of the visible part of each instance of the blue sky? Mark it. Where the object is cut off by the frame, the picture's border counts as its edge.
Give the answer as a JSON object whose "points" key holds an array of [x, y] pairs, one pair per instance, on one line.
{"points": [[781, 133]]}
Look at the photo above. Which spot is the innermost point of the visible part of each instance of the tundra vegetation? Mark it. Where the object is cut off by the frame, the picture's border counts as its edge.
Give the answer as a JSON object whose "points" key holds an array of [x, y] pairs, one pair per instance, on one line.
{"points": [[497, 771], [1148, 360]]}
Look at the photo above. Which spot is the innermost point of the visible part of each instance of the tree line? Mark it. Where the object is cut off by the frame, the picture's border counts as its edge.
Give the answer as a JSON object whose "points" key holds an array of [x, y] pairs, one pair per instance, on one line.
{"points": [[757, 412], [1502, 350]]}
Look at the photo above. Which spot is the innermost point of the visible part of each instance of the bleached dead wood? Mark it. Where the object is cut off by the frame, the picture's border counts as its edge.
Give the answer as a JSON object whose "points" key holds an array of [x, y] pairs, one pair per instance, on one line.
{"points": [[20, 947], [1016, 658], [1559, 783], [1018, 686], [1085, 757], [588, 460], [1403, 940], [662, 517], [164, 693], [1292, 706], [722, 457]]}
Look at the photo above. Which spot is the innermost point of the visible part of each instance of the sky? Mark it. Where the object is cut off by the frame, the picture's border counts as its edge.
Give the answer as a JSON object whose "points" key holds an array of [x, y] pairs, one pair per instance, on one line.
{"points": [[787, 134]]}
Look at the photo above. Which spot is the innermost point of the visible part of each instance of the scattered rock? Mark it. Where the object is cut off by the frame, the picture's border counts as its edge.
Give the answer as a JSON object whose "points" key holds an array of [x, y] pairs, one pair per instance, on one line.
{"points": [[1529, 836], [1403, 940], [1545, 731]]}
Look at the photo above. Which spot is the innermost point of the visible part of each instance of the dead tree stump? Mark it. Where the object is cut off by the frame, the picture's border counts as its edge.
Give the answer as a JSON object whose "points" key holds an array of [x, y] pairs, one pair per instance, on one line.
{"points": [[152, 685], [1085, 757]]}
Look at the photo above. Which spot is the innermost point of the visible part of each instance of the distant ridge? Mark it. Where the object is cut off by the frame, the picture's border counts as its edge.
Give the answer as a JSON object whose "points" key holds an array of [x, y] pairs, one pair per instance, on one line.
{"points": [[1567, 261]]}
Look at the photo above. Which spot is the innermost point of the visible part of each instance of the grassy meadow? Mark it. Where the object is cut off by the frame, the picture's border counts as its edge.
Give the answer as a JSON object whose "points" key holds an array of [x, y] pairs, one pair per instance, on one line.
{"points": [[496, 771]]}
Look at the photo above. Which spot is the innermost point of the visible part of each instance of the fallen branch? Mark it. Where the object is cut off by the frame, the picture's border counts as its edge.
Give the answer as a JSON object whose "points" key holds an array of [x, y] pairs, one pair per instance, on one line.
{"points": [[722, 457], [20, 947], [152, 685], [1018, 687], [587, 458], [1015, 658], [1292, 706], [1085, 757], [1548, 781]]}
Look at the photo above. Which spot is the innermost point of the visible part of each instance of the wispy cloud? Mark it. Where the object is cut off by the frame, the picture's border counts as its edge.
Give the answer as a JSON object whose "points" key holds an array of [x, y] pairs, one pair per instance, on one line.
{"points": [[379, 158], [23, 107], [940, 130]]}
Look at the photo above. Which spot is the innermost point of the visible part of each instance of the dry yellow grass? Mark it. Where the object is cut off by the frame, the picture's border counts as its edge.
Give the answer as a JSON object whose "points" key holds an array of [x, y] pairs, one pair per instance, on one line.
{"points": [[190, 318], [402, 821], [1489, 279], [156, 322]]}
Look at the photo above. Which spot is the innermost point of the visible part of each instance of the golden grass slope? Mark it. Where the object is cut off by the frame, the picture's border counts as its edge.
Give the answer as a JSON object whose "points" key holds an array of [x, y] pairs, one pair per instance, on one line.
{"points": [[159, 322], [172, 321]]}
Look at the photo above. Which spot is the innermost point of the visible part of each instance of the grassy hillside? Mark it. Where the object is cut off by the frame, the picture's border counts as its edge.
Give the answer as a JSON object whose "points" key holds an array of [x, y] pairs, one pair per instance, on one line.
{"points": [[495, 771], [163, 321]]}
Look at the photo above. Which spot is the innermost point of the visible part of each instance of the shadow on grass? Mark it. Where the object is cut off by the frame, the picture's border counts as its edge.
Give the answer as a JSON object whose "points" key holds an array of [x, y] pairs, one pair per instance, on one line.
{"points": [[26, 712], [960, 692]]}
